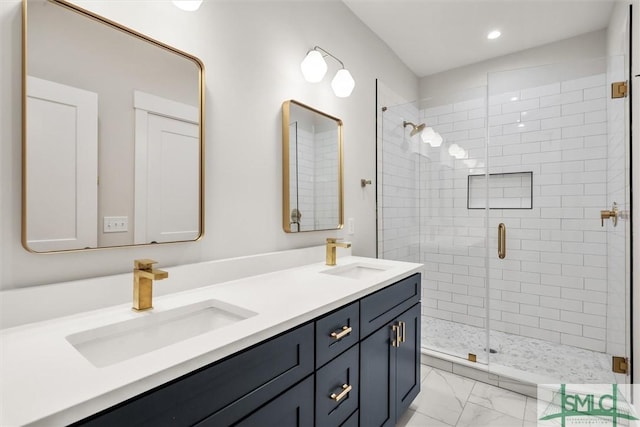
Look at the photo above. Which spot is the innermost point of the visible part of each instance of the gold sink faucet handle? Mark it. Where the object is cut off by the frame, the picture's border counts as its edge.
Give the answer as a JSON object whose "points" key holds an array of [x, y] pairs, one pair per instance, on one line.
{"points": [[143, 264]]}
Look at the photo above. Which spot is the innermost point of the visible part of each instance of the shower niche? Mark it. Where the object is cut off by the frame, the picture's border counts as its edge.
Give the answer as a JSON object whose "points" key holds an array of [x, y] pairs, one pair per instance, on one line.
{"points": [[506, 191]]}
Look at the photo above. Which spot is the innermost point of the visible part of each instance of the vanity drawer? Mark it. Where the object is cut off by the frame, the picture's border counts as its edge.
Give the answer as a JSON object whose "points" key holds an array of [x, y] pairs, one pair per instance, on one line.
{"points": [[336, 332], [293, 408], [233, 388], [339, 379], [383, 306]]}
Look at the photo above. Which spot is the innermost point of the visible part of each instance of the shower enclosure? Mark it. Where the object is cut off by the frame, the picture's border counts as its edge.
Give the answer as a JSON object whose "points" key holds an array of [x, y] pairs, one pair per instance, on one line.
{"points": [[500, 197]]}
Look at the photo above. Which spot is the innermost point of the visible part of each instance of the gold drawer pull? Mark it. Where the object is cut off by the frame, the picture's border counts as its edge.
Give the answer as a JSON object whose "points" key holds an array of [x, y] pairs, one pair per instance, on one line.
{"points": [[403, 327], [346, 330], [345, 390]]}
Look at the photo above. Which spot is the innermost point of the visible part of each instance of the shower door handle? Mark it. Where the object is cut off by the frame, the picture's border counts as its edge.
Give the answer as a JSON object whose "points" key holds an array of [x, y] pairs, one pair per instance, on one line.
{"points": [[502, 241]]}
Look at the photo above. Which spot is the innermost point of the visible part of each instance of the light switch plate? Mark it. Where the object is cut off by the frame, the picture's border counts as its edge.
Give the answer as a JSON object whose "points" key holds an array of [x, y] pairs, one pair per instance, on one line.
{"points": [[115, 224], [351, 226]]}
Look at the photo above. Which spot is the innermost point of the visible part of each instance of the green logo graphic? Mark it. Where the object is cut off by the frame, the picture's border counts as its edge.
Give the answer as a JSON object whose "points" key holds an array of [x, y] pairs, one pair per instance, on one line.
{"points": [[591, 408]]}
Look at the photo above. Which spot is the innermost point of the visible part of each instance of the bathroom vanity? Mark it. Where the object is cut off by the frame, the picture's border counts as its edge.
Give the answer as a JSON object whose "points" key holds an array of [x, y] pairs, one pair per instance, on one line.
{"points": [[311, 345]]}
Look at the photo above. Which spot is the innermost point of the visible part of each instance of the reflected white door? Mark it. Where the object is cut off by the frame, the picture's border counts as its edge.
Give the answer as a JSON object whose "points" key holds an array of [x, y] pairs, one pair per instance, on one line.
{"points": [[62, 166], [173, 200], [167, 170]]}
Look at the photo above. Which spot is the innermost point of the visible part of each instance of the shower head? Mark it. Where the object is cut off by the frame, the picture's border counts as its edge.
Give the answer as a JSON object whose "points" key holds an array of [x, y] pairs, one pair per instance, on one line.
{"points": [[416, 128]]}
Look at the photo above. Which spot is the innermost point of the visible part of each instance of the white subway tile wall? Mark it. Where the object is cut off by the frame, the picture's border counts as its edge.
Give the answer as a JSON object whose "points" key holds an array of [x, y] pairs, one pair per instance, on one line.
{"points": [[314, 178], [553, 283]]}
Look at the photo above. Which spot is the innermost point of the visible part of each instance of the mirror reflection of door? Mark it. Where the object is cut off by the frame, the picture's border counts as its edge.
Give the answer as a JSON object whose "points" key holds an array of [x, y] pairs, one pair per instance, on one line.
{"points": [[167, 185], [72, 46], [62, 158]]}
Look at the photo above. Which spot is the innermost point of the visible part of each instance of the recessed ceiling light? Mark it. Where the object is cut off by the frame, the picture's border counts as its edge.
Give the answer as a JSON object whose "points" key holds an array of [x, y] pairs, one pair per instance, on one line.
{"points": [[494, 35]]}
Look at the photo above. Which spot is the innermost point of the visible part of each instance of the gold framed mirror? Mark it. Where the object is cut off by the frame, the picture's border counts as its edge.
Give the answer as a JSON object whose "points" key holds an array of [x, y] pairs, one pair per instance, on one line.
{"points": [[312, 169], [113, 134]]}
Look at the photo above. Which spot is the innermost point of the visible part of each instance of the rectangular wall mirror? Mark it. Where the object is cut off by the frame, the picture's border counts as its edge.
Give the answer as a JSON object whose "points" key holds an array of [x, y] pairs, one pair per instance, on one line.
{"points": [[112, 134], [312, 169]]}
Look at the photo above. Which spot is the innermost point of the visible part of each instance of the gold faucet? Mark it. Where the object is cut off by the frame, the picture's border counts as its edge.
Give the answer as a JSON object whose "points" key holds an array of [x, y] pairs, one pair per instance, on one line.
{"points": [[143, 277], [332, 244]]}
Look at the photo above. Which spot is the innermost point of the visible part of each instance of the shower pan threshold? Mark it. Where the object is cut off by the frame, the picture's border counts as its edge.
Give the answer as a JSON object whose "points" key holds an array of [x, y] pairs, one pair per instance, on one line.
{"points": [[520, 362]]}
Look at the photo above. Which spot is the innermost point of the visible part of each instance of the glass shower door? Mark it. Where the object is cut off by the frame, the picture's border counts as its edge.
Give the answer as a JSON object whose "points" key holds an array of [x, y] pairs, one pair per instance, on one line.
{"points": [[558, 274], [429, 149]]}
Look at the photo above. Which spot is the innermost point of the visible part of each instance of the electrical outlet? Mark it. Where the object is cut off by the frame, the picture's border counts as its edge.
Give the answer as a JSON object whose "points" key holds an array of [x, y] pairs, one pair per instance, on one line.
{"points": [[115, 224], [351, 226]]}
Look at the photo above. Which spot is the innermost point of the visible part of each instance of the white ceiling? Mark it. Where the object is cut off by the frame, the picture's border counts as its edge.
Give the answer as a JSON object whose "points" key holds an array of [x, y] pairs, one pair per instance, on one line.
{"points": [[431, 36]]}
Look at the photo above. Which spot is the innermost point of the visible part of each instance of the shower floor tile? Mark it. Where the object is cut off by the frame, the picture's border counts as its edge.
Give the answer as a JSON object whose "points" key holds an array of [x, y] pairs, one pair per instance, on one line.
{"points": [[557, 363]]}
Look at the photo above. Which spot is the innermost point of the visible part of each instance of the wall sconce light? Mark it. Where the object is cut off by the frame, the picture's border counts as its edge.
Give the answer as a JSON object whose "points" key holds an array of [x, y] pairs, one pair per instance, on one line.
{"points": [[314, 68], [188, 5]]}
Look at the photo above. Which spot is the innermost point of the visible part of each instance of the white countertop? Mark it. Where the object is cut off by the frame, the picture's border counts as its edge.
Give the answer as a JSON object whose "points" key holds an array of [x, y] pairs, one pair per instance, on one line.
{"points": [[45, 381]]}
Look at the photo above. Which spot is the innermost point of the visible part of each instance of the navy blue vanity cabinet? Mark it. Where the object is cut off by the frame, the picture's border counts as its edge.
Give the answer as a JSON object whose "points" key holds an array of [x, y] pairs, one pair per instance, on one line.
{"points": [[390, 352], [226, 391], [358, 365]]}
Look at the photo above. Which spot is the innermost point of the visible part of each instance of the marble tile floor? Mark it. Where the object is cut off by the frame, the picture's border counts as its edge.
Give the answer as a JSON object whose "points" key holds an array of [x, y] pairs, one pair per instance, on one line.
{"points": [[450, 400], [532, 357]]}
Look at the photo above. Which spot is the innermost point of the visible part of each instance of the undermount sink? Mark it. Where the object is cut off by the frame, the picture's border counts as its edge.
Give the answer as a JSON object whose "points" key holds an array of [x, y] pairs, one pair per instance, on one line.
{"points": [[356, 271], [120, 341]]}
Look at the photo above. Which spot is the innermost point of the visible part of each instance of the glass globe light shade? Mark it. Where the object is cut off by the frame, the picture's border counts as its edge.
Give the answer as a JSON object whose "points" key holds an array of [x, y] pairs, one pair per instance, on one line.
{"points": [[343, 84], [313, 67], [188, 5]]}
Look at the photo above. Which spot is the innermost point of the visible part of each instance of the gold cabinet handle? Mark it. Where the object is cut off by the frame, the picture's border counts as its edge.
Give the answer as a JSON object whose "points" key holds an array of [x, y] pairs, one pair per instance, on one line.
{"points": [[396, 330], [502, 241], [346, 330], [345, 390], [403, 330]]}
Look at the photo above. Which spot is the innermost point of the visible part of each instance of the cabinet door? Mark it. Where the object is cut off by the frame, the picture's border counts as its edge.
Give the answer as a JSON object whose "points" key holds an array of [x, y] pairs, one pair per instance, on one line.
{"points": [[377, 379], [408, 360], [294, 408]]}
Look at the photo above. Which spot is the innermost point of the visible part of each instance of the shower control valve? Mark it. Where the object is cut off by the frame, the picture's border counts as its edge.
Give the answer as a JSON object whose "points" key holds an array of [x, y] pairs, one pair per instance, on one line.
{"points": [[613, 214]]}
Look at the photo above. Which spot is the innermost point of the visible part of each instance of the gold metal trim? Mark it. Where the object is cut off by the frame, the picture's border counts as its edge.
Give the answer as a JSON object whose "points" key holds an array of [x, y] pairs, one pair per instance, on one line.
{"points": [[502, 240], [346, 388], [472, 358], [403, 331], [395, 342], [127, 30], [619, 90], [613, 214], [286, 206], [341, 333], [620, 365]]}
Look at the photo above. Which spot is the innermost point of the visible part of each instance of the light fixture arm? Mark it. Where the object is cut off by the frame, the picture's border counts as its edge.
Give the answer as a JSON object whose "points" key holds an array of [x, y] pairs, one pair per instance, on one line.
{"points": [[326, 53]]}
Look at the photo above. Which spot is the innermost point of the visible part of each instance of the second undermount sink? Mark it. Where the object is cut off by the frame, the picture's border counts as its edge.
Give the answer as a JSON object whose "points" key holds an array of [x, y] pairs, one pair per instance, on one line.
{"points": [[356, 271], [120, 341]]}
